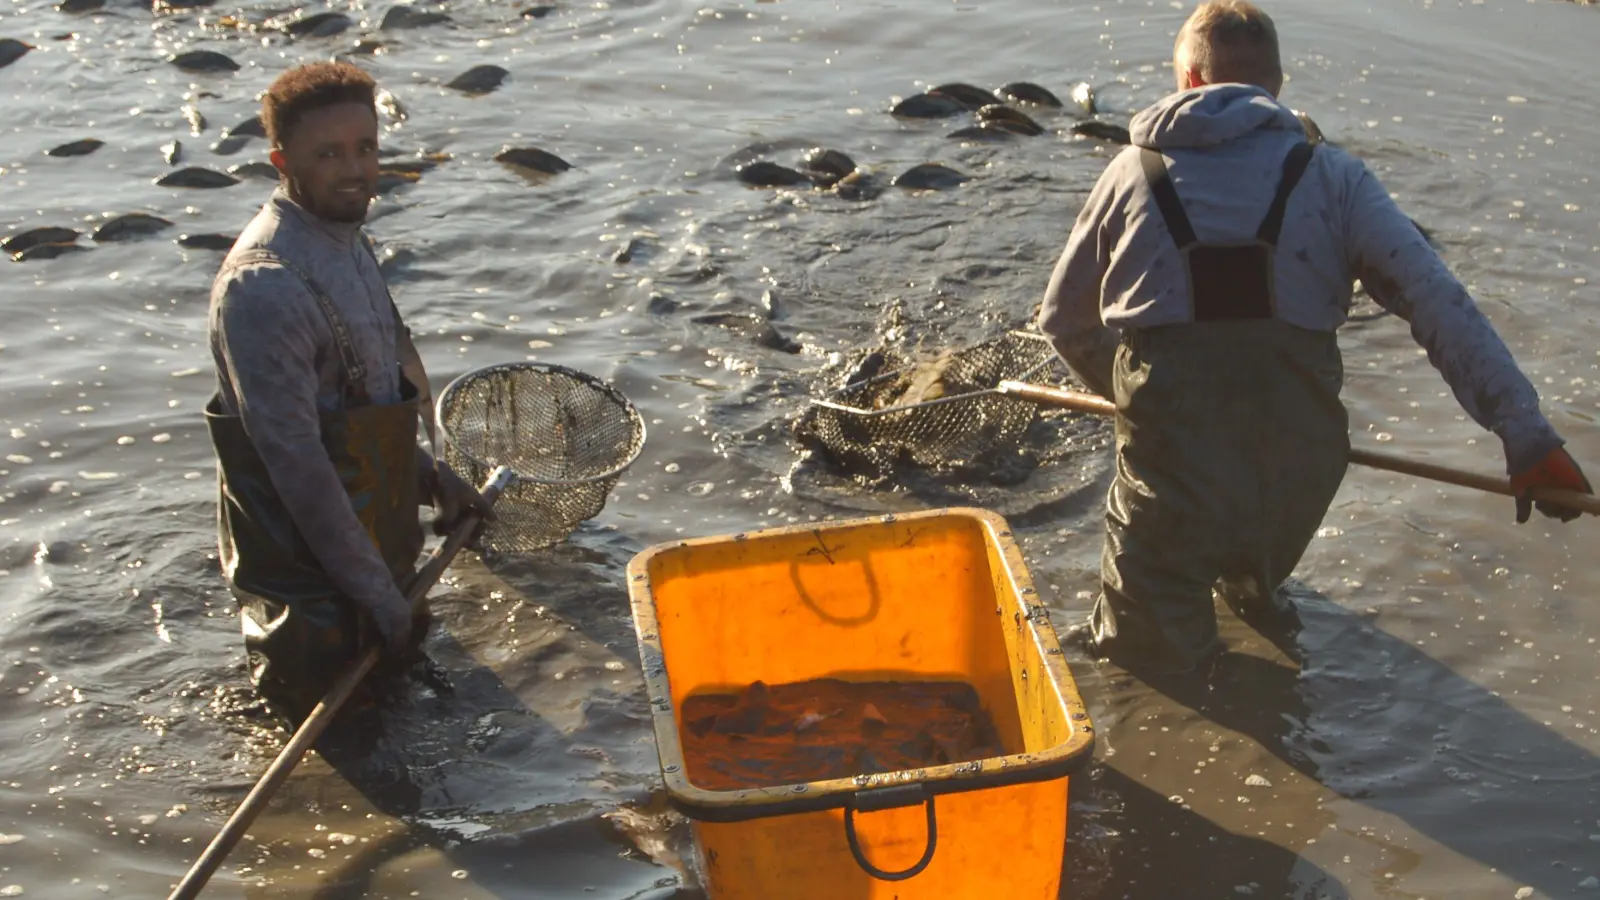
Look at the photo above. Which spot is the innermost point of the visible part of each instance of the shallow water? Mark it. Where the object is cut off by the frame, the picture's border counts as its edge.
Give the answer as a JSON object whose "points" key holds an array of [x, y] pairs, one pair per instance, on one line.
{"points": [[1440, 741]]}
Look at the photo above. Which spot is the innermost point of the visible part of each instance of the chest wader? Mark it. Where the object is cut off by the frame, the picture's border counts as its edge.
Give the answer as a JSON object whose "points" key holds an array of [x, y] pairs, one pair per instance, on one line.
{"points": [[1231, 443], [300, 631]]}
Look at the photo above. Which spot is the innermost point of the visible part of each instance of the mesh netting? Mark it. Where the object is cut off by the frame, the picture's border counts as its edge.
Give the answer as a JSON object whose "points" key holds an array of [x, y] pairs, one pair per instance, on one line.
{"points": [[874, 422], [566, 436]]}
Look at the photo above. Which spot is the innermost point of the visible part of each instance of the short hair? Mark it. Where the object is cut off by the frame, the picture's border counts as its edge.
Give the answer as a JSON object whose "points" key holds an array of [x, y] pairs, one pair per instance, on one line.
{"points": [[311, 87], [1231, 41]]}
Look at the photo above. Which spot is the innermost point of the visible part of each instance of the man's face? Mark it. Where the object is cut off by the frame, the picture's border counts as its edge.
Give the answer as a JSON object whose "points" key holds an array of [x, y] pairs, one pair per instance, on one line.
{"points": [[331, 161]]}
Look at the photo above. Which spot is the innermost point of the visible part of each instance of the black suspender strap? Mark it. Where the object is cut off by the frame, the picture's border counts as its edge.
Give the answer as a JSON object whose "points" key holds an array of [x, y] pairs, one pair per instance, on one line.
{"points": [[1294, 165], [1155, 172]]}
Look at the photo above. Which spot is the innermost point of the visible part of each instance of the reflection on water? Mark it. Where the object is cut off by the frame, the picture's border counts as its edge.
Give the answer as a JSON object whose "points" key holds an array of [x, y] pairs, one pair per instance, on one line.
{"points": [[1438, 743]]}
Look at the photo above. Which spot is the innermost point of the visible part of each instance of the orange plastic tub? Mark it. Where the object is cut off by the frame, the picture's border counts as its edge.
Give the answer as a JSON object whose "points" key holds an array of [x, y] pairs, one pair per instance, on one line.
{"points": [[938, 595]]}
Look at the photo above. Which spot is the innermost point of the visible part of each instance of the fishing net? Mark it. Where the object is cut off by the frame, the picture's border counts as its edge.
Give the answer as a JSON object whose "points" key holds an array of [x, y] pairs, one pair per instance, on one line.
{"points": [[567, 437], [939, 414]]}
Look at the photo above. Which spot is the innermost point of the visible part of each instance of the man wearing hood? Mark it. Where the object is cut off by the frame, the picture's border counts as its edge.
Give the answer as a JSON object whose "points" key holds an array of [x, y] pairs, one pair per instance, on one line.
{"points": [[1201, 290]]}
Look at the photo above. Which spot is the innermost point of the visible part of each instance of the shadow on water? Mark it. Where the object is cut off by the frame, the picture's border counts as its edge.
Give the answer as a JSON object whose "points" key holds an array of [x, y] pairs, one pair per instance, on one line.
{"points": [[1377, 721], [518, 790], [1138, 845]]}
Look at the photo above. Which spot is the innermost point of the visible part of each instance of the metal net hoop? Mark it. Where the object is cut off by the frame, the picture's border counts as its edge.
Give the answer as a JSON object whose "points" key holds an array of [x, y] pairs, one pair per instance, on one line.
{"points": [[566, 435]]}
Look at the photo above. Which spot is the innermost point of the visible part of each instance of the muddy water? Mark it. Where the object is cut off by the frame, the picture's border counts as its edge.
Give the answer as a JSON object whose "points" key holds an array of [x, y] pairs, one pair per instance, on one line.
{"points": [[1440, 740]]}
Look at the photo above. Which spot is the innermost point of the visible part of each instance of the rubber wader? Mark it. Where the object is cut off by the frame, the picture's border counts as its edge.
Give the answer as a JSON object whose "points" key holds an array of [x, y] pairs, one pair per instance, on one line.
{"points": [[300, 631], [1231, 443]]}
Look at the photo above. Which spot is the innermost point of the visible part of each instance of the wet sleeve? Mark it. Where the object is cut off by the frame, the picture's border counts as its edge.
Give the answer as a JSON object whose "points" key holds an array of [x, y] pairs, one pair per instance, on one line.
{"points": [[1406, 276], [1070, 313], [268, 327]]}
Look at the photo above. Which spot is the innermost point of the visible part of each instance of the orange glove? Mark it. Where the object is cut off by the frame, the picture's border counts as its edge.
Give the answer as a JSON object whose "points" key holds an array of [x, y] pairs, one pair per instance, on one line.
{"points": [[1557, 470]]}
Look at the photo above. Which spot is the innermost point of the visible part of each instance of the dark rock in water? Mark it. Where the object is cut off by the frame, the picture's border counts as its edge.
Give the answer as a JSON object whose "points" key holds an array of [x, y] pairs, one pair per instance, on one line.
{"points": [[927, 106], [77, 148], [127, 227], [533, 159], [1009, 119], [537, 12], [222, 242], [12, 50], [967, 95], [983, 132], [49, 234], [197, 177], [204, 61], [196, 120], [930, 176], [46, 251], [1028, 92], [1104, 131], [769, 174], [660, 304], [478, 80], [172, 152], [79, 6], [230, 145], [251, 127], [406, 16], [826, 167], [323, 24]]}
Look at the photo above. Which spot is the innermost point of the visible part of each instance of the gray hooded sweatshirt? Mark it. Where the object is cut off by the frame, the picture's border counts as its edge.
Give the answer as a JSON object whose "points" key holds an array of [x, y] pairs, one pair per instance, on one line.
{"points": [[1225, 145]]}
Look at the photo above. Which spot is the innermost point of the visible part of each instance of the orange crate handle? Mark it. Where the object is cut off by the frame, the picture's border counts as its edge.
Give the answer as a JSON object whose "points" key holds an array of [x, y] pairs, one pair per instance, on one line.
{"points": [[890, 798]]}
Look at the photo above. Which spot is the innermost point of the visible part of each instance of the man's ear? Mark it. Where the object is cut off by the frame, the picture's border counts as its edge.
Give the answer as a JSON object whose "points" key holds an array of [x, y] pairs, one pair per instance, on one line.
{"points": [[279, 162]]}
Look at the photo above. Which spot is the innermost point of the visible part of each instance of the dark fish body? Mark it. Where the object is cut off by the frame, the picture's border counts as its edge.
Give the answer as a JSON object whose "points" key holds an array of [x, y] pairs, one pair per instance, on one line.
{"points": [[826, 167], [46, 251], [533, 159], [1313, 133], [406, 16], [222, 242], [754, 327], [1004, 117], [537, 12], [323, 24], [251, 127], [858, 185], [255, 170], [1028, 92], [409, 166], [171, 153], [927, 106], [363, 47], [1104, 131], [204, 61], [230, 145], [49, 234], [983, 132], [478, 79], [127, 227], [77, 148], [79, 6], [969, 96], [388, 181], [769, 174], [197, 177], [930, 176], [12, 50]]}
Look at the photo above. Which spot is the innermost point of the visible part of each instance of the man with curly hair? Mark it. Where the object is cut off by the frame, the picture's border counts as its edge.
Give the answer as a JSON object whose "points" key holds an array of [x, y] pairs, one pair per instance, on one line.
{"points": [[314, 421], [1201, 289]]}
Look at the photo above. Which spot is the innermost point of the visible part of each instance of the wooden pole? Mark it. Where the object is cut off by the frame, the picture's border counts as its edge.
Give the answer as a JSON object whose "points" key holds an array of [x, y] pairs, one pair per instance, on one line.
{"points": [[322, 715], [1097, 405]]}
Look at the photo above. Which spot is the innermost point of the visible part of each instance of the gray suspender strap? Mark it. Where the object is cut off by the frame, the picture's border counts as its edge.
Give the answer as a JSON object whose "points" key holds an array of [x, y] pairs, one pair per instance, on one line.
{"points": [[355, 372], [410, 360]]}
